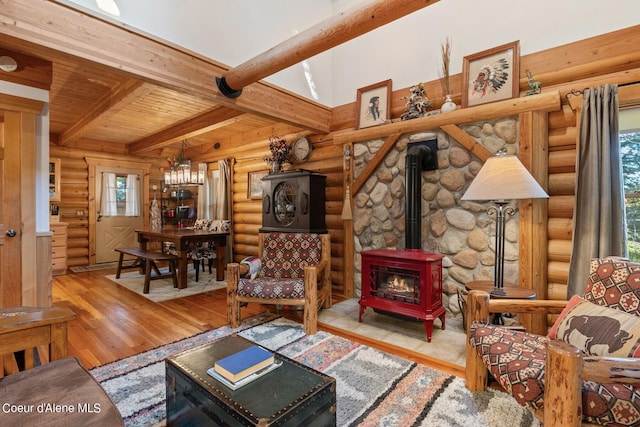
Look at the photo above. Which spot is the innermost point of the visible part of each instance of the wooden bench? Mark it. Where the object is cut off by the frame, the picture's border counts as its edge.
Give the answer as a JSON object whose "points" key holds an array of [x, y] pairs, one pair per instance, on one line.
{"points": [[147, 260]]}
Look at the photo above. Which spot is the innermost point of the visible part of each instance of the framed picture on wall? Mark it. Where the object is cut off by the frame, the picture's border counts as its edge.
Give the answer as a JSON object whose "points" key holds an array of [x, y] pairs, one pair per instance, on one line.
{"points": [[373, 104], [491, 75], [254, 184]]}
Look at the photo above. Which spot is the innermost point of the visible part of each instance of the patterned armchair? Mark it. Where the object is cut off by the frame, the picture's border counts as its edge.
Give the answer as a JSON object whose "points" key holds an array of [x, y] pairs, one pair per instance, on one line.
{"points": [[296, 271], [588, 367]]}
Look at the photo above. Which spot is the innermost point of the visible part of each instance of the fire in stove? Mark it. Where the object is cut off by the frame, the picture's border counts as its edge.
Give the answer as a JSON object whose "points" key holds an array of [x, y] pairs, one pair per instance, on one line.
{"points": [[398, 285]]}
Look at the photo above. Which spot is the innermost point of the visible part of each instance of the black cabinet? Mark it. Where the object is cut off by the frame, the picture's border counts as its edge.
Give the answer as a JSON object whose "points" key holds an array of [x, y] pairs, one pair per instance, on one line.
{"points": [[294, 201]]}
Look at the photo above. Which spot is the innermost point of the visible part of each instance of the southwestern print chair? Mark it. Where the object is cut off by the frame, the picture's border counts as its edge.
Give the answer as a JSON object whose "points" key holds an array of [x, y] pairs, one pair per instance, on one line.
{"points": [[586, 370], [207, 251], [296, 271]]}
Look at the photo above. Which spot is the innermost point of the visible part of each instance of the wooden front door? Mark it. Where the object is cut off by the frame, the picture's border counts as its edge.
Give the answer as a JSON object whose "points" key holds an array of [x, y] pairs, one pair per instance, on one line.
{"points": [[96, 167], [116, 231]]}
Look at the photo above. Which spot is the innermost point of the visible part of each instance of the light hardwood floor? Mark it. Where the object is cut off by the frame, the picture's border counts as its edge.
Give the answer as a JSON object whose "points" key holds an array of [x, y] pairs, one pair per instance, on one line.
{"points": [[113, 322]]}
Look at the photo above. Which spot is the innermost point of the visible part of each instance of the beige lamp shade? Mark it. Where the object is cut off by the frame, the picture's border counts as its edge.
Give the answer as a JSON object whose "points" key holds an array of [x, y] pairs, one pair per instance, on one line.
{"points": [[504, 178]]}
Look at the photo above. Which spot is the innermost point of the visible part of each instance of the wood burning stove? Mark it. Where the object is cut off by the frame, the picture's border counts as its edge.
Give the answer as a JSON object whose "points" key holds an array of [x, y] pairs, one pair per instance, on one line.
{"points": [[407, 282]]}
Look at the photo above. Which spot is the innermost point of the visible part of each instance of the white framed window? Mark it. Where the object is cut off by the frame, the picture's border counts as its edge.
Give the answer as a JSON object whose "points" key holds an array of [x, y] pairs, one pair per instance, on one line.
{"points": [[630, 152]]}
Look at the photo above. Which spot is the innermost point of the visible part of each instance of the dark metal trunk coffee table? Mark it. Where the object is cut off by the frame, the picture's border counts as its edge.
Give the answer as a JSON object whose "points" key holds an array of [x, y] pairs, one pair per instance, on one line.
{"points": [[291, 395]]}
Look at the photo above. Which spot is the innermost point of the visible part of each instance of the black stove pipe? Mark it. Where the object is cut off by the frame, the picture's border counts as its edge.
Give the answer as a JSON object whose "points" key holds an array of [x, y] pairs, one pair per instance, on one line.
{"points": [[413, 199], [421, 156]]}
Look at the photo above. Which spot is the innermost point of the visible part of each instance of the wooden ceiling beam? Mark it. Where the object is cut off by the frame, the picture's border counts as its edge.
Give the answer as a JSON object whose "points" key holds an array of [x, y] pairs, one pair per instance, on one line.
{"points": [[93, 145], [105, 108], [323, 36], [253, 143], [205, 122], [58, 27]]}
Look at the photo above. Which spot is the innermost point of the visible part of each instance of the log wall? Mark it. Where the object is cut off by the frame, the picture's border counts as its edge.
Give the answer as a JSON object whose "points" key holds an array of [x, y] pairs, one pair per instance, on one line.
{"points": [[609, 58], [561, 190]]}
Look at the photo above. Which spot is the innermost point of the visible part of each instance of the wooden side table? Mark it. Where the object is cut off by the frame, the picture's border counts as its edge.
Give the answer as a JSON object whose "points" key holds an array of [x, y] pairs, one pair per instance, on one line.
{"points": [[511, 291]]}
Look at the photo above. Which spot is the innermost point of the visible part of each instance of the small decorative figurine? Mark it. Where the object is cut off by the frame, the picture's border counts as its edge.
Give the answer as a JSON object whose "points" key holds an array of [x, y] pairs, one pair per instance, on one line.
{"points": [[417, 103], [536, 87]]}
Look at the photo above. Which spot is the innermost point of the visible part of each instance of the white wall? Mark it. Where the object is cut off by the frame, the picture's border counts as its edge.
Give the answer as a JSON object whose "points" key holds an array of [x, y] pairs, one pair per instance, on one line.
{"points": [[407, 50]]}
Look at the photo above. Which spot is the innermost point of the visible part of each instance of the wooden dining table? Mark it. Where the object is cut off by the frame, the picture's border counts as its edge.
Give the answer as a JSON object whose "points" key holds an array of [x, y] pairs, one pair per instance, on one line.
{"points": [[184, 239]]}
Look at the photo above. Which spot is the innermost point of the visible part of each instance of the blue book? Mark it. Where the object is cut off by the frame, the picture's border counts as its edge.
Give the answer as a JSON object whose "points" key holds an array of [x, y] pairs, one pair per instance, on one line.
{"points": [[244, 363]]}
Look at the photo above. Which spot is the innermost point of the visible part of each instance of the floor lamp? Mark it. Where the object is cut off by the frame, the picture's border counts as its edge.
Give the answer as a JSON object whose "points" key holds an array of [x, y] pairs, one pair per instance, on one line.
{"points": [[502, 178]]}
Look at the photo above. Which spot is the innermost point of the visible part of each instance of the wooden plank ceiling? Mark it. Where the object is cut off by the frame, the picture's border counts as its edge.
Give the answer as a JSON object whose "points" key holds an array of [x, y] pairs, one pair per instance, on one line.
{"points": [[100, 108], [145, 98]]}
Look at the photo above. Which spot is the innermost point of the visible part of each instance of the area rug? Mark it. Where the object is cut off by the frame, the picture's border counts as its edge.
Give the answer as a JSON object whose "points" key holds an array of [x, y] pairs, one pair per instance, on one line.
{"points": [[163, 290], [372, 387]]}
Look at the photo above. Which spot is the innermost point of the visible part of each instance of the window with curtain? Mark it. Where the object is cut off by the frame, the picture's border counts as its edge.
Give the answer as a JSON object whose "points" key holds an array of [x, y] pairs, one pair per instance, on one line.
{"points": [[120, 195], [630, 152]]}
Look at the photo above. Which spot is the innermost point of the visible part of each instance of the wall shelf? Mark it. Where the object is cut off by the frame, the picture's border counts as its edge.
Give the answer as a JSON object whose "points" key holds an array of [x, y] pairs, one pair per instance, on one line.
{"points": [[541, 102], [179, 204]]}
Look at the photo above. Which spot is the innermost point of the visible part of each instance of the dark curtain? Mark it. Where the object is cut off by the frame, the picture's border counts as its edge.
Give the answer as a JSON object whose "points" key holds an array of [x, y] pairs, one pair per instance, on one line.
{"points": [[599, 228]]}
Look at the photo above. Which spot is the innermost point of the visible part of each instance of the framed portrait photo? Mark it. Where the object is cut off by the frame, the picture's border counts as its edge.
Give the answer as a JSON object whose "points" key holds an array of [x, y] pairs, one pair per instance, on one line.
{"points": [[254, 184], [373, 104], [491, 75]]}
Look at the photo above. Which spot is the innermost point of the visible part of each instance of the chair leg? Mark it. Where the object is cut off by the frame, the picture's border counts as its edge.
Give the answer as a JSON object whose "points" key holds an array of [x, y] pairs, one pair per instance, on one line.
{"points": [[476, 373], [233, 307], [311, 301], [196, 266], [563, 385], [210, 266]]}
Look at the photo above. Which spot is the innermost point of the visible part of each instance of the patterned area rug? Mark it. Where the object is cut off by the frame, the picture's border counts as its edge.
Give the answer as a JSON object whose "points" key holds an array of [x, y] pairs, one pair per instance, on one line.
{"points": [[163, 290], [373, 387]]}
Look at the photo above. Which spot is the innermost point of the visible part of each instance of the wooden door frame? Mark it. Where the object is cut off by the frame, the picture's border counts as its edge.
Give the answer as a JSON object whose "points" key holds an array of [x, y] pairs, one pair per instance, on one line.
{"points": [[19, 284], [92, 163]]}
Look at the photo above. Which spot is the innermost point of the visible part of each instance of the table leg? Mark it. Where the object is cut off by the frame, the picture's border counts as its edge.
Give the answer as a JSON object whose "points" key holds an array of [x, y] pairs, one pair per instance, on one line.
{"points": [[220, 250], [183, 264]]}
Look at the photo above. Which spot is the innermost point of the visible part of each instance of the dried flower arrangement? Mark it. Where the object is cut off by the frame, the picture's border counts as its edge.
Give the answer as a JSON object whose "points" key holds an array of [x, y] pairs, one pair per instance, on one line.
{"points": [[280, 150], [445, 50]]}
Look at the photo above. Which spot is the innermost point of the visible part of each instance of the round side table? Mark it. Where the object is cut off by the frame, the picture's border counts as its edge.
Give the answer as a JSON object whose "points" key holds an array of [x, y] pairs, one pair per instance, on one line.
{"points": [[510, 291]]}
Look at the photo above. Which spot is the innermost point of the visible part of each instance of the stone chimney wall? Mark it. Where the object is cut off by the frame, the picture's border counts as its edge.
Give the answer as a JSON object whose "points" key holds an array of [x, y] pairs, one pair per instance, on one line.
{"points": [[462, 231]]}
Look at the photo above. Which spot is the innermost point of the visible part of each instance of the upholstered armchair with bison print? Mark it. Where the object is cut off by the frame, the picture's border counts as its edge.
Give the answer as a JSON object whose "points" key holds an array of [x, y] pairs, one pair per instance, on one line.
{"points": [[586, 371]]}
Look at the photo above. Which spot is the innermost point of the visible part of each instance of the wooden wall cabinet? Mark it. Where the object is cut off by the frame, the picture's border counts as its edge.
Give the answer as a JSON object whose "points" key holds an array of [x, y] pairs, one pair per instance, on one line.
{"points": [[59, 248]]}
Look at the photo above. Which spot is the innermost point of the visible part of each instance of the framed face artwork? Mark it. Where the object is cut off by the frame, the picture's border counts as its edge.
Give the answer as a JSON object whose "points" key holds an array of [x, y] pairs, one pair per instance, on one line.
{"points": [[254, 184], [491, 75], [373, 104]]}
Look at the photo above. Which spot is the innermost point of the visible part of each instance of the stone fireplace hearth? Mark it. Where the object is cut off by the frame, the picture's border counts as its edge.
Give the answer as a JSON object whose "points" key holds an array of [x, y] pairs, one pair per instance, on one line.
{"points": [[460, 231]]}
